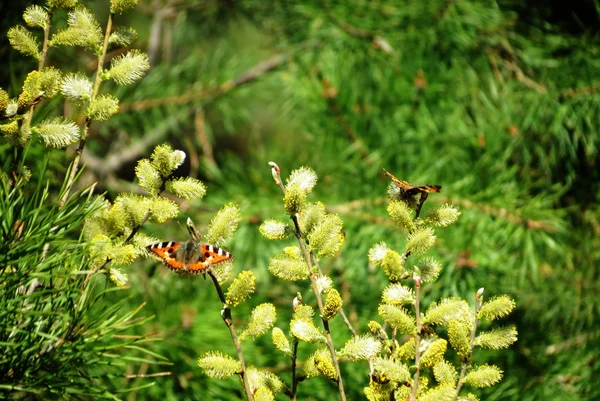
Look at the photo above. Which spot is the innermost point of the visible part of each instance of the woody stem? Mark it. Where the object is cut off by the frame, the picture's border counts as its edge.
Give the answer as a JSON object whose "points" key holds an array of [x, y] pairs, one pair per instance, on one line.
{"points": [[226, 315]]}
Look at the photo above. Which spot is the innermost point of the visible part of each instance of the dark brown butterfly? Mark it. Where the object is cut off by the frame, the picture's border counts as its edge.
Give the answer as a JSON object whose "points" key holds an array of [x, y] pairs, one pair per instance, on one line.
{"points": [[411, 190], [407, 191]]}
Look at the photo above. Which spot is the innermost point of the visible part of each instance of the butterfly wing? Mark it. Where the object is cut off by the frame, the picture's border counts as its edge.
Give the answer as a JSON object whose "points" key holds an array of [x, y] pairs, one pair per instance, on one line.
{"points": [[401, 184], [210, 255], [429, 188], [412, 190], [167, 251]]}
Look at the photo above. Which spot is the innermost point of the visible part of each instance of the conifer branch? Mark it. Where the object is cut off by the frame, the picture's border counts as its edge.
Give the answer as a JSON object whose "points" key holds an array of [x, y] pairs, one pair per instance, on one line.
{"points": [[349, 208], [345, 26], [210, 95], [502, 213], [330, 93], [226, 315], [588, 90], [116, 159]]}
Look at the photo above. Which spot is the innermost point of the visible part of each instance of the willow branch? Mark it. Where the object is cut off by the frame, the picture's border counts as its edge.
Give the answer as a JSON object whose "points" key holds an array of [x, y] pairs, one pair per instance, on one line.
{"points": [[294, 374], [226, 315], [415, 385], [308, 257], [29, 117], [88, 121], [347, 321], [467, 362]]}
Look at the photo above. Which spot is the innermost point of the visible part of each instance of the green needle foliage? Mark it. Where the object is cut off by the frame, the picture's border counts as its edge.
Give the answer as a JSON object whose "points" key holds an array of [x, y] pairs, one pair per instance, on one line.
{"points": [[60, 337]]}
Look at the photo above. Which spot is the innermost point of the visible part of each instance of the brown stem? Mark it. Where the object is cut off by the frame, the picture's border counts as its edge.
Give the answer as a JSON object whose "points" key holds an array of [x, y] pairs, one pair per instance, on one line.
{"points": [[328, 338], [137, 228], [45, 45], [313, 282], [88, 121], [415, 385], [226, 315], [207, 150], [347, 321], [294, 377]]}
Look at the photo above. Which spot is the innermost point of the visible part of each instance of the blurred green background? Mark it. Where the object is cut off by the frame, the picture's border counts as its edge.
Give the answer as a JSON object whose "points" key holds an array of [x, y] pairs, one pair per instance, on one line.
{"points": [[497, 101]]}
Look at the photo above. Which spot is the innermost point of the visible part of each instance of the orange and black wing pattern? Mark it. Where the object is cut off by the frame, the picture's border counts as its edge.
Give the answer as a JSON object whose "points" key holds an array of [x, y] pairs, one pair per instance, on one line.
{"points": [[209, 255]]}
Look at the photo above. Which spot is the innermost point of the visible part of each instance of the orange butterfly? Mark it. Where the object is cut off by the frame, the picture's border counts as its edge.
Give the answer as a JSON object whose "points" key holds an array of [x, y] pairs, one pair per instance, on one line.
{"points": [[189, 256]]}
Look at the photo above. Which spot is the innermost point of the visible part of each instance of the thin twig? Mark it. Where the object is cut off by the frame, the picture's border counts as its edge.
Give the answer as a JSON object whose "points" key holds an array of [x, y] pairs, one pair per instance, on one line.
{"points": [[467, 362], [510, 63], [226, 315], [345, 26], [137, 228], [115, 160], [140, 375], [415, 385], [294, 377], [520, 75], [347, 321], [88, 121]]}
